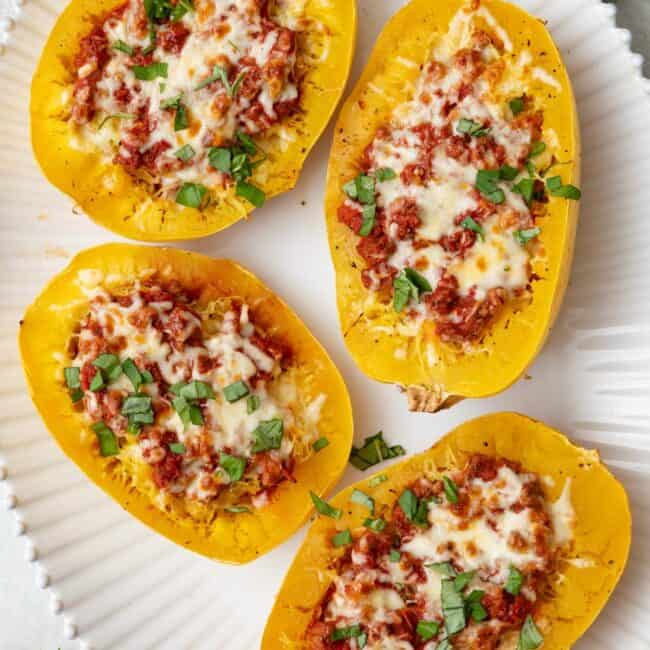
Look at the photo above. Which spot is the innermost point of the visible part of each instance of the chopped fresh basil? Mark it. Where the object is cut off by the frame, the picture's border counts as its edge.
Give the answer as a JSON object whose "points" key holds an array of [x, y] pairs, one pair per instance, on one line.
{"points": [[451, 491], [325, 508], [177, 448], [426, 630], [516, 105], [463, 579], [150, 72], [444, 645], [373, 451], [220, 74], [193, 390], [365, 189], [362, 499], [471, 224], [530, 168], [394, 555], [375, 524], [443, 568], [453, 607], [342, 633], [350, 188], [474, 606], [171, 102], [237, 509], [185, 153], [530, 637], [268, 435], [97, 382], [416, 510], [409, 283], [233, 466], [469, 127], [251, 193], [136, 404], [536, 148], [76, 395], [508, 173], [385, 174], [377, 480], [191, 195], [319, 444], [109, 364], [525, 187], [342, 539], [486, 184], [362, 640], [514, 581], [236, 391], [556, 188], [368, 213], [136, 376], [181, 120], [526, 235], [121, 46], [181, 8], [252, 403], [72, 377], [247, 143], [107, 440], [220, 158], [188, 412], [116, 116]]}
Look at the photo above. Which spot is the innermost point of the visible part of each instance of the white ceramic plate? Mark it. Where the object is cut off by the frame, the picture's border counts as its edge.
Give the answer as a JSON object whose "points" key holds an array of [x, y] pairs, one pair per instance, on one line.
{"points": [[120, 586]]}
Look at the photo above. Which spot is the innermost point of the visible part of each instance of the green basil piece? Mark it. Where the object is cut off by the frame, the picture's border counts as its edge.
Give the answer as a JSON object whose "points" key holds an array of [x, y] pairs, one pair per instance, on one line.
{"points": [[233, 466], [368, 214], [185, 153], [408, 502], [385, 174], [107, 440], [237, 509], [526, 235], [394, 555], [195, 390], [373, 451], [251, 193], [514, 581], [116, 116], [451, 490], [469, 127], [516, 105], [76, 395], [268, 435], [470, 224], [136, 404], [350, 188], [426, 630], [72, 376], [121, 46], [453, 608], [247, 143], [463, 579], [443, 568], [508, 173], [324, 508], [342, 633], [486, 184], [319, 444], [365, 189], [530, 637], [236, 391], [556, 188], [362, 499], [97, 382], [342, 539], [252, 403], [377, 480], [181, 120], [177, 448], [181, 8], [191, 195], [536, 148], [220, 158], [525, 187], [150, 72], [375, 524]]}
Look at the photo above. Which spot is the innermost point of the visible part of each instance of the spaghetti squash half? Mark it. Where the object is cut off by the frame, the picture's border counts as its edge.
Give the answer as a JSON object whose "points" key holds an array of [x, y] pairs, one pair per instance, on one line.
{"points": [[173, 119], [452, 200], [503, 534], [190, 393]]}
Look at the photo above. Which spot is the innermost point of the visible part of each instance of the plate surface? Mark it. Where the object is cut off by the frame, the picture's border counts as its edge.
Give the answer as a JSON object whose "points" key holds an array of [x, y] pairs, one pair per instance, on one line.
{"points": [[118, 585]]}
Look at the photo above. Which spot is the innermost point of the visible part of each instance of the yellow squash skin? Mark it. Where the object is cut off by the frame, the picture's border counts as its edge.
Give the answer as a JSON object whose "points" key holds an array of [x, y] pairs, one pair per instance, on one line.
{"points": [[438, 376], [114, 200], [602, 532], [234, 538]]}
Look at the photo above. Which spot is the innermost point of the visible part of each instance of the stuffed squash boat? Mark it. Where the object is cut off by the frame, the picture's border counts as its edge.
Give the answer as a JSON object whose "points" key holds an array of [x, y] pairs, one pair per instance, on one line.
{"points": [[503, 534], [451, 200], [173, 119], [188, 392]]}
